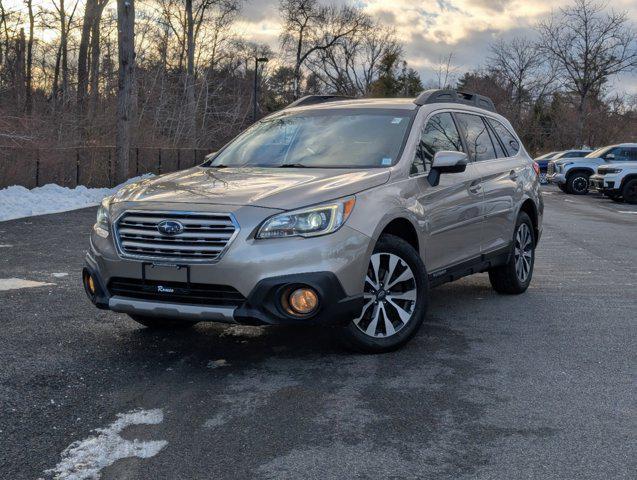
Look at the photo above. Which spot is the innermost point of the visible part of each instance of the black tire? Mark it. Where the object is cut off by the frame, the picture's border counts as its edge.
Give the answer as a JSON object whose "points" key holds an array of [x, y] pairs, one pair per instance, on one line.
{"points": [[577, 183], [616, 198], [157, 323], [629, 191], [505, 279], [387, 248], [562, 186]]}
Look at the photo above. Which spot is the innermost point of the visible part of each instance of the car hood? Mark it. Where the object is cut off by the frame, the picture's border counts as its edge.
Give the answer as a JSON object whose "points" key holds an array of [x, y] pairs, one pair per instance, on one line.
{"points": [[622, 165], [280, 188], [562, 161]]}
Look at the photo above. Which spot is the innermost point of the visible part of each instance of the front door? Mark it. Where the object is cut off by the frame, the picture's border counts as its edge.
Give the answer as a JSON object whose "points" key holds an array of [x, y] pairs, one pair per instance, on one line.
{"points": [[451, 211]]}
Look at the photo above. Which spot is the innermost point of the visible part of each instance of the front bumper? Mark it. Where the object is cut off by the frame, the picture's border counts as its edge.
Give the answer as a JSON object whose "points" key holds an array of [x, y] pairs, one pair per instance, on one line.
{"points": [[605, 183], [557, 178], [258, 270]]}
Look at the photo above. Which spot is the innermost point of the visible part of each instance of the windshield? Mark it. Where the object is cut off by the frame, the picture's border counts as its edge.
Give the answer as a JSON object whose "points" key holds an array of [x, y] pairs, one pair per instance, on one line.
{"points": [[547, 156], [598, 153], [323, 139]]}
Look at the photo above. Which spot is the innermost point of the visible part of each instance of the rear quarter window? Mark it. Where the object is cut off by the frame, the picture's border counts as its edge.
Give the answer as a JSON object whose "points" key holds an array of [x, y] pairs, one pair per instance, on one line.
{"points": [[510, 142]]}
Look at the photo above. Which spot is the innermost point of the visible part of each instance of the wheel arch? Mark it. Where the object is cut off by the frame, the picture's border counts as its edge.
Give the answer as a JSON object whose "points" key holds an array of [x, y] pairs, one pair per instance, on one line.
{"points": [[586, 170], [628, 178], [529, 207], [402, 225]]}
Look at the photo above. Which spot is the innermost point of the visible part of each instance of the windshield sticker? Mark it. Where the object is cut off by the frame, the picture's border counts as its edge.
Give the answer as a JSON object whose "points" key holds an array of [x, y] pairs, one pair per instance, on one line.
{"points": [[396, 121], [386, 161]]}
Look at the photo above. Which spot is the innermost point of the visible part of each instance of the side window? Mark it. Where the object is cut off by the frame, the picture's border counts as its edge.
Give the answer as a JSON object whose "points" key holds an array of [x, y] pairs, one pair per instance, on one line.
{"points": [[626, 154], [477, 137], [508, 140], [499, 151], [439, 134]]}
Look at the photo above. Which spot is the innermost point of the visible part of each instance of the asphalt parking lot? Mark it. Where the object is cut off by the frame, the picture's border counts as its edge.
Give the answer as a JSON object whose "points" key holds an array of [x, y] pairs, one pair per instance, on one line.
{"points": [[538, 386]]}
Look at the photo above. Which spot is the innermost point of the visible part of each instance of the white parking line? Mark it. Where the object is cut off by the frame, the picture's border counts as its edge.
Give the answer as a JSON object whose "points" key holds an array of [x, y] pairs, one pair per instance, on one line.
{"points": [[6, 246], [18, 283], [86, 458], [627, 211]]}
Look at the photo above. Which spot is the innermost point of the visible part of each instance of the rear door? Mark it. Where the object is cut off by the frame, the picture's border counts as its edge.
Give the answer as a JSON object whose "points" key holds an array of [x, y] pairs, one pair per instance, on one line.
{"points": [[452, 210], [500, 170], [503, 187]]}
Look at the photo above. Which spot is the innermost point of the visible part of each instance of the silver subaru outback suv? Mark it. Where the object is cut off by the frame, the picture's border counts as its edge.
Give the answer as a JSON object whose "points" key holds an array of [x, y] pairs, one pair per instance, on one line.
{"points": [[331, 212]]}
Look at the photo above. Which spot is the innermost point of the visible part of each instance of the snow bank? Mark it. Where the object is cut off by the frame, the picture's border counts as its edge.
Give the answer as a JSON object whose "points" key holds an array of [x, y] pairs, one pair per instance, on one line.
{"points": [[18, 202]]}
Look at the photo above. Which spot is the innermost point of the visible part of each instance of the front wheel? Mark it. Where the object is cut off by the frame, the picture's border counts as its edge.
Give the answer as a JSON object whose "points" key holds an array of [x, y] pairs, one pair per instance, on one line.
{"points": [[157, 323], [577, 183], [395, 298], [629, 191], [515, 276]]}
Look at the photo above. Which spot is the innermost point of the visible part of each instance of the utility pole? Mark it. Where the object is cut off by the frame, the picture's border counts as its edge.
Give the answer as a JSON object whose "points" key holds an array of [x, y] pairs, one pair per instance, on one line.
{"points": [[257, 61]]}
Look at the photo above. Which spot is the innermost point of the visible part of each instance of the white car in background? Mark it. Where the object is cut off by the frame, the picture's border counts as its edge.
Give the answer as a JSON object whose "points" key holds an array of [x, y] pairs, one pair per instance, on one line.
{"points": [[617, 181], [572, 174]]}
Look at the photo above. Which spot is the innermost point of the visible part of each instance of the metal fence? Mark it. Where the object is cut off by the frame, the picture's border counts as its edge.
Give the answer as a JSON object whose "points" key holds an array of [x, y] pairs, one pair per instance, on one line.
{"points": [[89, 166]]}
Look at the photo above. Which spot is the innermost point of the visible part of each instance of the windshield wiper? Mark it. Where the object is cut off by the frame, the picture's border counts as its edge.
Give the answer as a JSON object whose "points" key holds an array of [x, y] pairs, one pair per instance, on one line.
{"points": [[293, 165]]}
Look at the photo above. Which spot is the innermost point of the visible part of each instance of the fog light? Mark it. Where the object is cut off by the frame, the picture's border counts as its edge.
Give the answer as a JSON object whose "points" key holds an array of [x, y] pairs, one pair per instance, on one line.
{"points": [[89, 283], [303, 301]]}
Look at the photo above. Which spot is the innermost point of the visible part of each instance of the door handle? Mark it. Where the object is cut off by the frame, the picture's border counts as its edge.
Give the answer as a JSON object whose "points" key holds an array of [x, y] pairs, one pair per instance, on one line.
{"points": [[513, 175], [475, 188]]}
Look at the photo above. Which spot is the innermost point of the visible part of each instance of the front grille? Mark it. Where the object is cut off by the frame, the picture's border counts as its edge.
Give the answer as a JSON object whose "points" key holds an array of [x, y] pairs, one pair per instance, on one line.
{"points": [[205, 236], [176, 292], [550, 170]]}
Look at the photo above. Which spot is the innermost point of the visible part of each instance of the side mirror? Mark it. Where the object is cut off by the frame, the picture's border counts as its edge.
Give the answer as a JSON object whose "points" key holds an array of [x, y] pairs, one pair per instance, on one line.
{"points": [[446, 162]]}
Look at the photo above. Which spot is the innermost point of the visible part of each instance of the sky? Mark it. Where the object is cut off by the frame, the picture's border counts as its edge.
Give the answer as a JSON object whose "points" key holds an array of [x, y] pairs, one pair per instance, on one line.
{"points": [[432, 29]]}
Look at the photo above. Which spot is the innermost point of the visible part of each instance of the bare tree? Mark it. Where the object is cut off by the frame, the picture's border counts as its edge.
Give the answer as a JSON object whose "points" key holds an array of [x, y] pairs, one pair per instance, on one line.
{"points": [[354, 63], [309, 27], [446, 71], [29, 60], [523, 68], [590, 46], [125, 95]]}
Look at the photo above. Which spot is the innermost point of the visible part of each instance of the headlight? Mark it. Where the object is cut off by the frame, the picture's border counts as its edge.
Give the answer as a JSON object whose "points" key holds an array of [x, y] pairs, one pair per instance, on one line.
{"points": [[102, 213], [609, 170], [308, 222]]}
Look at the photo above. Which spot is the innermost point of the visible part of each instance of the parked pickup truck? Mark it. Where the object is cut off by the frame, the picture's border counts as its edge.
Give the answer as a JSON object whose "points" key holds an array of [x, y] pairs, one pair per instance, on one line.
{"points": [[572, 174], [618, 182]]}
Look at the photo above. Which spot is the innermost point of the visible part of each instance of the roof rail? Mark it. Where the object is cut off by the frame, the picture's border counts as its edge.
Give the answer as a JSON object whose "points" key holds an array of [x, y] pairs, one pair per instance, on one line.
{"points": [[316, 99], [454, 96]]}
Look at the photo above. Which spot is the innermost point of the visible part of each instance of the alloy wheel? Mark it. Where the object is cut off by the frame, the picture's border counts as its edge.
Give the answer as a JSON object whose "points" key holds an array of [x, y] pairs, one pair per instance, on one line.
{"points": [[390, 296], [523, 254], [580, 184]]}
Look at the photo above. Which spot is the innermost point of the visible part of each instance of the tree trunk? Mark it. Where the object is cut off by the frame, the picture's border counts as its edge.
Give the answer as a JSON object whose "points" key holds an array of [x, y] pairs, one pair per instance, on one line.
{"points": [[19, 66], [125, 85], [96, 51], [28, 107], [82, 57], [581, 115], [64, 47], [190, 75]]}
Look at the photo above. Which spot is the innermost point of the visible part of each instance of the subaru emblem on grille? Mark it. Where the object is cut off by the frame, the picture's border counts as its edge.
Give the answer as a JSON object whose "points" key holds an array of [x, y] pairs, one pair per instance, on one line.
{"points": [[170, 227]]}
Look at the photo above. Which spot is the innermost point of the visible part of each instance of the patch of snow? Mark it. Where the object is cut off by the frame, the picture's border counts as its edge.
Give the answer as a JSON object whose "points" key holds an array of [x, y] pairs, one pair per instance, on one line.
{"points": [[17, 283], [60, 274], [6, 246], [19, 202], [86, 458]]}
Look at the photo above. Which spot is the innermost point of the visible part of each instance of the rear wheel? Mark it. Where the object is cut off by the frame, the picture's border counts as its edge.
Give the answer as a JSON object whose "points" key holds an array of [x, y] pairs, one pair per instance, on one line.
{"points": [[395, 298], [577, 183], [157, 323], [629, 191], [515, 276]]}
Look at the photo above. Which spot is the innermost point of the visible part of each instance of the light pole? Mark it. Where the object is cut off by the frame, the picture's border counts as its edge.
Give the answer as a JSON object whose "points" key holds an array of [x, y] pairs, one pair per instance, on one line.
{"points": [[257, 61]]}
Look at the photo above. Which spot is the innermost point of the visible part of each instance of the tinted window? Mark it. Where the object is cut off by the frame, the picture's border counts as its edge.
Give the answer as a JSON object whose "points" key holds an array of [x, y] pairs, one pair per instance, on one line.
{"points": [[573, 154], [331, 139], [499, 151], [439, 134], [477, 137], [508, 140], [626, 155]]}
